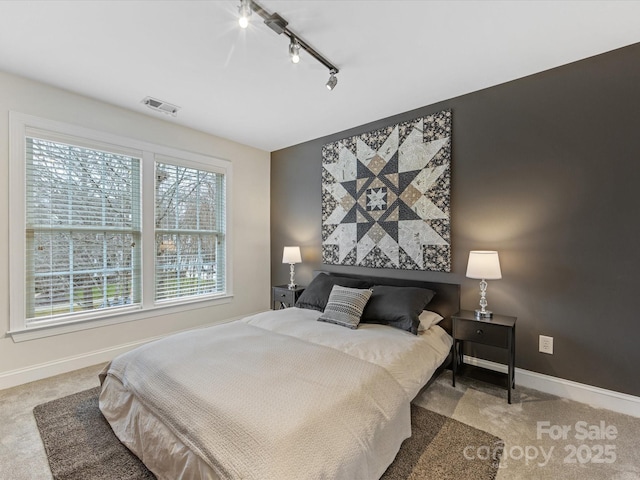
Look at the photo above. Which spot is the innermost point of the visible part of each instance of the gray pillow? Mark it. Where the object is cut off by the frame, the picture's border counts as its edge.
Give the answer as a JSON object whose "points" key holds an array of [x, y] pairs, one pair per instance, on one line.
{"points": [[398, 307], [315, 296], [345, 306]]}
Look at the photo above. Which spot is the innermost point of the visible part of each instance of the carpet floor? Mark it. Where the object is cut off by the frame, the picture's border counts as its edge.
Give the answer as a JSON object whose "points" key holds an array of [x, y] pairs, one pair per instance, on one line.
{"points": [[80, 445]]}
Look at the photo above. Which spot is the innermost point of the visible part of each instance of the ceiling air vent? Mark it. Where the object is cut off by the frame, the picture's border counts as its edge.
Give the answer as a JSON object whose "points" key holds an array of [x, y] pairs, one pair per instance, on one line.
{"points": [[160, 106]]}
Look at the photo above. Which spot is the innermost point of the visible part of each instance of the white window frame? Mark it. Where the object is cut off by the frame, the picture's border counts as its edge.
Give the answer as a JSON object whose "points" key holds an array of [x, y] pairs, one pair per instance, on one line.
{"points": [[181, 163], [19, 126]]}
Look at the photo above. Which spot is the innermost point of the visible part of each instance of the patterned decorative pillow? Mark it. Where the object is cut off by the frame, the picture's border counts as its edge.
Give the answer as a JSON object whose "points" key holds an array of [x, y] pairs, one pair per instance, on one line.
{"points": [[345, 306], [316, 295]]}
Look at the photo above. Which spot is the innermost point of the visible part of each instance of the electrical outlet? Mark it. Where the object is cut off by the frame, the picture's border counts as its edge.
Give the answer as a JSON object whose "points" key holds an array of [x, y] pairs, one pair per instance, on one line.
{"points": [[546, 344]]}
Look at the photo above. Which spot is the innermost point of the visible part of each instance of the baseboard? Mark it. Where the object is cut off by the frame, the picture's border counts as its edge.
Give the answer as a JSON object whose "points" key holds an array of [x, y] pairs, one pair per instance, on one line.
{"points": [[579, 392], [20, 376], [13, 378]]}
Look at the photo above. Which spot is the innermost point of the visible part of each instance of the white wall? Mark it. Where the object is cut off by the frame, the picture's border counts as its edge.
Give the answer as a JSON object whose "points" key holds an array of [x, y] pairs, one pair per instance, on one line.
{"points": [[29, 360]]}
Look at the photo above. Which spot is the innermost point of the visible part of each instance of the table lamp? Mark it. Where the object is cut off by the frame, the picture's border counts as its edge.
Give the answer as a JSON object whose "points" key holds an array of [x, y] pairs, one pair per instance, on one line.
{"points": [[483, 265], [291, 255]]}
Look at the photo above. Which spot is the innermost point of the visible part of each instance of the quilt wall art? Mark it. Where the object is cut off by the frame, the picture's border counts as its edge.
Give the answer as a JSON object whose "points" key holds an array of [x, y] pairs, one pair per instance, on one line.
{"points": [[386, 197]]}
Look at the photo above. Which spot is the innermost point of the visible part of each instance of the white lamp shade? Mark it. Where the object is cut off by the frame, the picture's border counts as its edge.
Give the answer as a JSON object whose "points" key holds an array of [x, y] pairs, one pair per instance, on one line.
{"points": [[484, 264], [291, 255]]}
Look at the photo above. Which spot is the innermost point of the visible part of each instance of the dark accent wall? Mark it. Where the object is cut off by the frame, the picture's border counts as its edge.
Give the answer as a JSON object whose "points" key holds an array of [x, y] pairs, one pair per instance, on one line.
{"points": [[546, 170]]}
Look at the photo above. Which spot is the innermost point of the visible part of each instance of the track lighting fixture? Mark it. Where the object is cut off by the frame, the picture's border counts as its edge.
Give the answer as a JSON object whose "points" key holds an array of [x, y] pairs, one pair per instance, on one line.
{"points": [[279, 25], [294, 51], [245, 13], [333, 80]]}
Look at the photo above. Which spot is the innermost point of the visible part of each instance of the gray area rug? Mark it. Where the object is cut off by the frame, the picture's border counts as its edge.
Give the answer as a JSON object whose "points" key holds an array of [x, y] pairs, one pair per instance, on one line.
{"points": [[80, 445]]}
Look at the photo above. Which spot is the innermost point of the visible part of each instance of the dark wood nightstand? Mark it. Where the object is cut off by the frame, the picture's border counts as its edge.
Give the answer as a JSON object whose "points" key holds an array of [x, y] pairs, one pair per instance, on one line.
{"points": [[498, 331], [283, 297]]}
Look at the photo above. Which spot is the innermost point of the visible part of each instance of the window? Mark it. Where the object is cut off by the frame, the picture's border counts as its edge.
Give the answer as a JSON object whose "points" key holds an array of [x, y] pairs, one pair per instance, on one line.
{"points": [[107, 229], [189, 232], [82, 230]]}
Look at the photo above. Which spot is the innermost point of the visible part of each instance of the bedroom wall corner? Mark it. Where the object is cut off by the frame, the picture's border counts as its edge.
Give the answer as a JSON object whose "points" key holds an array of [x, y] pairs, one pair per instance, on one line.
{"points": [[249, 220]]}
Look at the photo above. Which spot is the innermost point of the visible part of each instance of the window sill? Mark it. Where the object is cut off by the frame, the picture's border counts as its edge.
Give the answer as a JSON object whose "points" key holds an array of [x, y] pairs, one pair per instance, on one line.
{"points": [[33, 333]]}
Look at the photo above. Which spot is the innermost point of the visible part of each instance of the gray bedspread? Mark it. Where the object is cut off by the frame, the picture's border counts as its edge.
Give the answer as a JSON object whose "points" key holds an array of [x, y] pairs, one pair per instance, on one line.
{"points": [[255, 404]]}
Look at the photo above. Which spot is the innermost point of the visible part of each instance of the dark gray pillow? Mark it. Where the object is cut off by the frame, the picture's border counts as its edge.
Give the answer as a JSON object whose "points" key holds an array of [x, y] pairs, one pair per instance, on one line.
{"points": [[398, 307], [315, 296], [345, 306]]}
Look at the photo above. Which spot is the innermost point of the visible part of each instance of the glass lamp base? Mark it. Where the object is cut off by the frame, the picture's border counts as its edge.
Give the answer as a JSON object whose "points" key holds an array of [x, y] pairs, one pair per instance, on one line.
{"points": [[486, 314], [292, 283]]}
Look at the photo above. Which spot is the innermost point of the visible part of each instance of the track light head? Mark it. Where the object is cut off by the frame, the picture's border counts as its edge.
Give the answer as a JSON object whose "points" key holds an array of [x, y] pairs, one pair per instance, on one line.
{"points": [[245, 12], [333, 80], [294, 51]]}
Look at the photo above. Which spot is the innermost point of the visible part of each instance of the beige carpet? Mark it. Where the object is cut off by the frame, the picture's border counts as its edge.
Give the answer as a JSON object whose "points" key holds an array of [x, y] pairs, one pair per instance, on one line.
{"points": [[80, 445]]}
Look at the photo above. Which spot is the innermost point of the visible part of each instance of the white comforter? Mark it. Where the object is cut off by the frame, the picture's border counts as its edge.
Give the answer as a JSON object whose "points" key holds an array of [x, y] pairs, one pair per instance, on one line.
{"points": [[411, 359], [276, 396]]}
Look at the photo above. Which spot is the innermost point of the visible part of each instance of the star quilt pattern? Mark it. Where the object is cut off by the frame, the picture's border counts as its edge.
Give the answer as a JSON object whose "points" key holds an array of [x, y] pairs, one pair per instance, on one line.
{"points": [[386, 197]]}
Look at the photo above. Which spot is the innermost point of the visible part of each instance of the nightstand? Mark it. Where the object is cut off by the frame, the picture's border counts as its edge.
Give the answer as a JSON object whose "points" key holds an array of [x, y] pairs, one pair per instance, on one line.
{"points": [[283, 297], [498, 331]]}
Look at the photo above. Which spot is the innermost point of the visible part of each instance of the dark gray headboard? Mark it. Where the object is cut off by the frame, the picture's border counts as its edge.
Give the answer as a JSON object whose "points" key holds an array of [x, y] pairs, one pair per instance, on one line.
{"points": [[446, 301]]}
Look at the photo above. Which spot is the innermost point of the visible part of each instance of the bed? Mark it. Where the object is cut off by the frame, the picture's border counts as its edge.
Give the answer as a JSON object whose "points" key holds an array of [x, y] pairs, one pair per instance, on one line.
{"points": [[281, 395]]}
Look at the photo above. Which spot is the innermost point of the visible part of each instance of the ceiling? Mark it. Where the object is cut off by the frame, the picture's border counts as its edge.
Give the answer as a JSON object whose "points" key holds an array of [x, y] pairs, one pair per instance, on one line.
{"points": [[393, 56]]}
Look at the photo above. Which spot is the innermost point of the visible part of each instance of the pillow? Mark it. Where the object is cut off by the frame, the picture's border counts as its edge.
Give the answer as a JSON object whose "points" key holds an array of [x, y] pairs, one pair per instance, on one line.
{"points": [[345, 306], [428, 319], [315, 296], [397, 307]]}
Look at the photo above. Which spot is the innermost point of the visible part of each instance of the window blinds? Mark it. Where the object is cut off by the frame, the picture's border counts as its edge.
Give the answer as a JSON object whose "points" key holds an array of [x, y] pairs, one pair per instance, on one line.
{"points": [[189, 232], [82, 229]]}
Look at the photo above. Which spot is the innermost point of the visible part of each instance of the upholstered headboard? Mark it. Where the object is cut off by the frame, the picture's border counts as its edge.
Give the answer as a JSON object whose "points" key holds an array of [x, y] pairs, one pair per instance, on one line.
{"points": [[446, 301]]}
